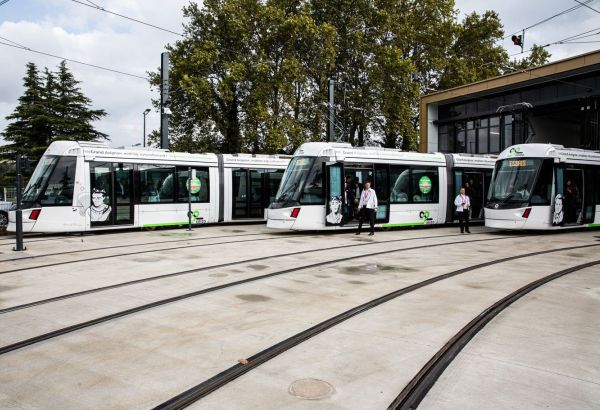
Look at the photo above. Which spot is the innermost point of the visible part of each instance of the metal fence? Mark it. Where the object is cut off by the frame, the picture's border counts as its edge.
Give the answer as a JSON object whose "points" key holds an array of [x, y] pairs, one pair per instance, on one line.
{"points": [[8, 194]]}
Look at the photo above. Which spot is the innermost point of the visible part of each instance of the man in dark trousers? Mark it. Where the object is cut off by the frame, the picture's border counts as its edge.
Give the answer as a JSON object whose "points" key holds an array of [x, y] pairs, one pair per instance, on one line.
{"points": [[367, 207], [463, 203]]}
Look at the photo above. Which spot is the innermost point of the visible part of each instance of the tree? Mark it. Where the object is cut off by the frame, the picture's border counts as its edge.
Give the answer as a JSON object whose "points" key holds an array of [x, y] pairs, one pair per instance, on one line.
{"points": [[538, 56], [72, 116], [251, 75], [246, 76], [28, 131], [51, 108]]}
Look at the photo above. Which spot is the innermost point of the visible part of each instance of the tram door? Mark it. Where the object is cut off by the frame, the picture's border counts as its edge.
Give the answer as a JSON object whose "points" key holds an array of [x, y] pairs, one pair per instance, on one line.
{"points": [[247, 194], [381, 186], [570, 183], [355, 175], [476, 184], [252, 191], [111, 201]]}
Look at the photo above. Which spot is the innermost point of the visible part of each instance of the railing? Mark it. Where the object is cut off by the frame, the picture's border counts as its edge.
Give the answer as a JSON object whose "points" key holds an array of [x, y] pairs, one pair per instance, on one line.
{"points": [[8, 194]]}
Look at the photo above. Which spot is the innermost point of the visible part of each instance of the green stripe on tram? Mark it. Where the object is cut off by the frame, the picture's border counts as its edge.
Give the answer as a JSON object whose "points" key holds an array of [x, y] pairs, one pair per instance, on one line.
{"points": [[403, 224], [593, 225], [165, 224]]}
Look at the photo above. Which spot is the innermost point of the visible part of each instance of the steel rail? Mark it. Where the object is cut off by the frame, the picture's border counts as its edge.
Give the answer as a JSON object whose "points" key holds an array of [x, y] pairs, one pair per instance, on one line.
{"points": [[200, 390], [29, 257], [79, 326], [189, 271], [419, 386], [48, 265]]}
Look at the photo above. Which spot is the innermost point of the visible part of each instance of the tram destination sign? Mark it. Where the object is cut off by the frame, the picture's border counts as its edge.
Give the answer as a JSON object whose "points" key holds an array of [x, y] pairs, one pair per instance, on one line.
{"points": [[518, 163]]}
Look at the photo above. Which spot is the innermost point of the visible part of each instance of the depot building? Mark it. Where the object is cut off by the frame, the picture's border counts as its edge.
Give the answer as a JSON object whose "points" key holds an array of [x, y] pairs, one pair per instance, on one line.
{"points": [[555, 103]]}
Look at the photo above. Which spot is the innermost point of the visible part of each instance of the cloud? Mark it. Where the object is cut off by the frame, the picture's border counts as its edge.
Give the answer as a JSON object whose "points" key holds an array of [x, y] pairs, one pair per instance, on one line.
{"points": [[71, 30], [517, 14], [81, 33]]}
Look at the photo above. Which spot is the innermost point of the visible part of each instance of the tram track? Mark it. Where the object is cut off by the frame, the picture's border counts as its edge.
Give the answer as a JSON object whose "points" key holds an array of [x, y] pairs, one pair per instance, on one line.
{"points": [[206, 387], [29, 257], [414, 392], [195, 270], [26, 268], [11, 240], [69, 329]]}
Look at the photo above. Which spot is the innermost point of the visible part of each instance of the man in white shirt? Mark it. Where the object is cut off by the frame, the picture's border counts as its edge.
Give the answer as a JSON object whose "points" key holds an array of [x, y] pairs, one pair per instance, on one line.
{"points": [[367, 207], [463, 203]]}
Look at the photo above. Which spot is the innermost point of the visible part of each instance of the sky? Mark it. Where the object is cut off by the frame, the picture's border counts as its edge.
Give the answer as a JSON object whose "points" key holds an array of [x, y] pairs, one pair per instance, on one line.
{"points": [[71, 30]]}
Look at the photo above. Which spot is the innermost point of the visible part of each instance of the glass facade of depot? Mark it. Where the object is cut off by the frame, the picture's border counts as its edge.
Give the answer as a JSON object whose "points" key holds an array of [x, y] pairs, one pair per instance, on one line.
{"points": [[561, 106]]}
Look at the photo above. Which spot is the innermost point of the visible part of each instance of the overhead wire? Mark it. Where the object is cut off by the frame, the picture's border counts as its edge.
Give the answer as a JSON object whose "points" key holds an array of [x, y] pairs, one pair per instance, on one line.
{"points": [[589, 7], [565, 40], [570, 9], [95, 6], [22, 47]]}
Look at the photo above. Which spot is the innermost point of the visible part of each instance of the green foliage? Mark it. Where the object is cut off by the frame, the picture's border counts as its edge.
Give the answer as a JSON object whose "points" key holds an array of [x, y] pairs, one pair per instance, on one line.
{"points": [[538, 56], [51, 108], [251, 75]]}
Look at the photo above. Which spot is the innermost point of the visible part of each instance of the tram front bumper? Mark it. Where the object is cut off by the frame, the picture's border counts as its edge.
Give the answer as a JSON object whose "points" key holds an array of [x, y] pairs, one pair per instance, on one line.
{"points": [[505, 218], [27, 224], [280, 218]]}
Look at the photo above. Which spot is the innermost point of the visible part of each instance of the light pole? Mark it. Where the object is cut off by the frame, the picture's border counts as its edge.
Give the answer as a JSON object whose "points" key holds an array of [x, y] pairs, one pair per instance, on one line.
{"points": [[146, 111]]}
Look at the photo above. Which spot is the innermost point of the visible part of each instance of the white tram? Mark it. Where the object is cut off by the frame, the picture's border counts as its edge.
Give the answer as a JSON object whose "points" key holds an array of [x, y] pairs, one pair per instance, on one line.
{"points": [[412, 188], [544, 187], [86, 186]]}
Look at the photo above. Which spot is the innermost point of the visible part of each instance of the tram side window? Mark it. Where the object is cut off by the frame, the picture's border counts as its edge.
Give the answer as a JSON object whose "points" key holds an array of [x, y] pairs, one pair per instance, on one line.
{"points": [[400, 180], [424, 184], [156, 183], [182, 191], [59, 190], [542, 192]]}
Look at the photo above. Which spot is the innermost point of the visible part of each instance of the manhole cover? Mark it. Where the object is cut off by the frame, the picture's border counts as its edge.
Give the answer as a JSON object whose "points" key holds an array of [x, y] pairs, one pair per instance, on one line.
{"points": [[311, 389]]}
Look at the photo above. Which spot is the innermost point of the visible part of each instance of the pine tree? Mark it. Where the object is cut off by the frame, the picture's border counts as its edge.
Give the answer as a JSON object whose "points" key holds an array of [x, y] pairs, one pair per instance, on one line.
{"points": [[28, 133], [73, 117], [51, 108]]}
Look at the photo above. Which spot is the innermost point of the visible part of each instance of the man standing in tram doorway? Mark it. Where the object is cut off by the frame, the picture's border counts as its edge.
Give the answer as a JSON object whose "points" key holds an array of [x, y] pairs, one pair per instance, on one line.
{"points": [[463, 203], [367, 207]]}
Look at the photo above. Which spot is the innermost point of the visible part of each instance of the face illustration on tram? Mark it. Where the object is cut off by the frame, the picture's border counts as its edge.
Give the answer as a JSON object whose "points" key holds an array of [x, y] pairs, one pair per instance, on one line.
{"points": [[335, 208], [558, 216], [99, 211]]}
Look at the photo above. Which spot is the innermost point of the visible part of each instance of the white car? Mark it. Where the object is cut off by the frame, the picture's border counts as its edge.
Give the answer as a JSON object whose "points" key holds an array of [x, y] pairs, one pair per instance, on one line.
{"points": [[4, 208]]}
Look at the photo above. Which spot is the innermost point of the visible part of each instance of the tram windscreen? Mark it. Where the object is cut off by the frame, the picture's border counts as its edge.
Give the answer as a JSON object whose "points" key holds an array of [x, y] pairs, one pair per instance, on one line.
{"points": [[293, 179], [40, 177], [514, 179], [52, 182]]}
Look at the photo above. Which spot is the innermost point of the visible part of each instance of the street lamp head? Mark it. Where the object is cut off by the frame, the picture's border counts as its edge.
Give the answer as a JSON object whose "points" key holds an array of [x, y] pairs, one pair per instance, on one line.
{"points": [[146, 111]]}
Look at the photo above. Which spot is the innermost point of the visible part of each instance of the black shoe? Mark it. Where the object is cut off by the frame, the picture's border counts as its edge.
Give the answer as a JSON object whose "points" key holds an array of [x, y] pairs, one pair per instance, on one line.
{"points": [[371, 234], [462, 231], [357, 233], [468, 231]]}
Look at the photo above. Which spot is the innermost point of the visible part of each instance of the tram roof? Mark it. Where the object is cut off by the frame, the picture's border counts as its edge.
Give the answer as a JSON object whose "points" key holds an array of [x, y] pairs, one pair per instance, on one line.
{"points": [[345, 151], [256, 160], [559, 152], [101, 151]]}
